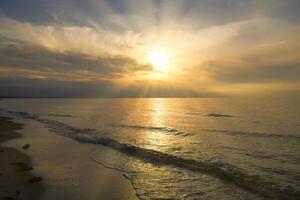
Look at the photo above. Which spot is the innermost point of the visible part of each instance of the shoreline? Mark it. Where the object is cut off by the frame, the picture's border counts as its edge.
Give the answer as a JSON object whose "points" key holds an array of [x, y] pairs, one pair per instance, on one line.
{"points": [[16, 178], [65, 166]]}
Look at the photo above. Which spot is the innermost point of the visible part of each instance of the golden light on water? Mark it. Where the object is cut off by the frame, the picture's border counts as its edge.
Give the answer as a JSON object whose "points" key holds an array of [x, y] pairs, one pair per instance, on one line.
{"points": [[159, 112], [157, 139]]}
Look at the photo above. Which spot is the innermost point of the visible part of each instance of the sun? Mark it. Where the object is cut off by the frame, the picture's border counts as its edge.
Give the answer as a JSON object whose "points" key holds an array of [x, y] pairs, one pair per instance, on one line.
{"points": [[159, 58]]}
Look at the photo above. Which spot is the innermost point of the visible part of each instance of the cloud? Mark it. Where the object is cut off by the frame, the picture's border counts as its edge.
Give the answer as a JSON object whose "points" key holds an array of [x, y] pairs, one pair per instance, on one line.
{"points": [[25, 87], [35, 11], [103, 44], [262, 52], [244, 72], [28, 57]]}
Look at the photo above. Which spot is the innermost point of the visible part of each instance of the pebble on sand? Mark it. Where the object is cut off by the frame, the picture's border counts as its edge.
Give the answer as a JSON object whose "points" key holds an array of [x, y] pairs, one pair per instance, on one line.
{"points": [[26, 146], [22, 166], [35, 179]]}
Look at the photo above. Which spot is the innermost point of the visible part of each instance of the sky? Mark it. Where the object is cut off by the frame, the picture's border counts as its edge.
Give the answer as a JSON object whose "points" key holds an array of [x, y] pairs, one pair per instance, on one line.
{"points": [[149, 48]]}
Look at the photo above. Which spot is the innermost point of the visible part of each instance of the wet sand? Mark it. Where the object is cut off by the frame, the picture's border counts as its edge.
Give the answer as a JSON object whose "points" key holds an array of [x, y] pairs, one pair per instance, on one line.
{"points": [[66, 167], [17, 179]]}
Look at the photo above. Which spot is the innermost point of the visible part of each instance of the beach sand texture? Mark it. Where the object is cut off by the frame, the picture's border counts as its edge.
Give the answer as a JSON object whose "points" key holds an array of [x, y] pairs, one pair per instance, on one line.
{"points": [[67, 171], [16, 177]]}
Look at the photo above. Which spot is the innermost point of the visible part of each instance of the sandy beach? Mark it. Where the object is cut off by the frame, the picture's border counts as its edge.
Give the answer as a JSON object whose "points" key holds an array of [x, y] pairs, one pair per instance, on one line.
{"points": [[16, 177], [67, 172]]}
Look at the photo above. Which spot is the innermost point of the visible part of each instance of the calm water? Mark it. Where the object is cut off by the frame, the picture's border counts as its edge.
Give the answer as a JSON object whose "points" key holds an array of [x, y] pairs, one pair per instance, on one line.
{"points": [[209, 148]]}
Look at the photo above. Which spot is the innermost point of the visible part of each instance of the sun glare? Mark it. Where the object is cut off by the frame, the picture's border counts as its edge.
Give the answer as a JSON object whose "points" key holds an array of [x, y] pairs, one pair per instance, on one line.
{"points": [[159, 58]]}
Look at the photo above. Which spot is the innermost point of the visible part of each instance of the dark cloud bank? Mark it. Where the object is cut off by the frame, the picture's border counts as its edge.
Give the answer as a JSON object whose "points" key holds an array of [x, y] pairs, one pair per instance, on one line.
{"points": [[22, 87], [23, 55]]}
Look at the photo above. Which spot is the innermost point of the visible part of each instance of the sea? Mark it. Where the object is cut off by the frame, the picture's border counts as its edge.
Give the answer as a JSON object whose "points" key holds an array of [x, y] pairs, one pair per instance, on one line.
{"points": [[183, 148]]}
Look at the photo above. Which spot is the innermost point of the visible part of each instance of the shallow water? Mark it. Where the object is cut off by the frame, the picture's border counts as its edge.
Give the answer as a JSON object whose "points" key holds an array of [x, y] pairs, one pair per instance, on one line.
{"points": [[204, 148]]}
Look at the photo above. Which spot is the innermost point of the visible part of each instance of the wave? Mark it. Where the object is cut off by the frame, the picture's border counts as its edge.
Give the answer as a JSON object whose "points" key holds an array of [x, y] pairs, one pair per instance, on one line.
{"points": [[256, 134], [283, 158], [221, 170], [212, 115], [154, 128], [215, 115], [55, 115]]}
